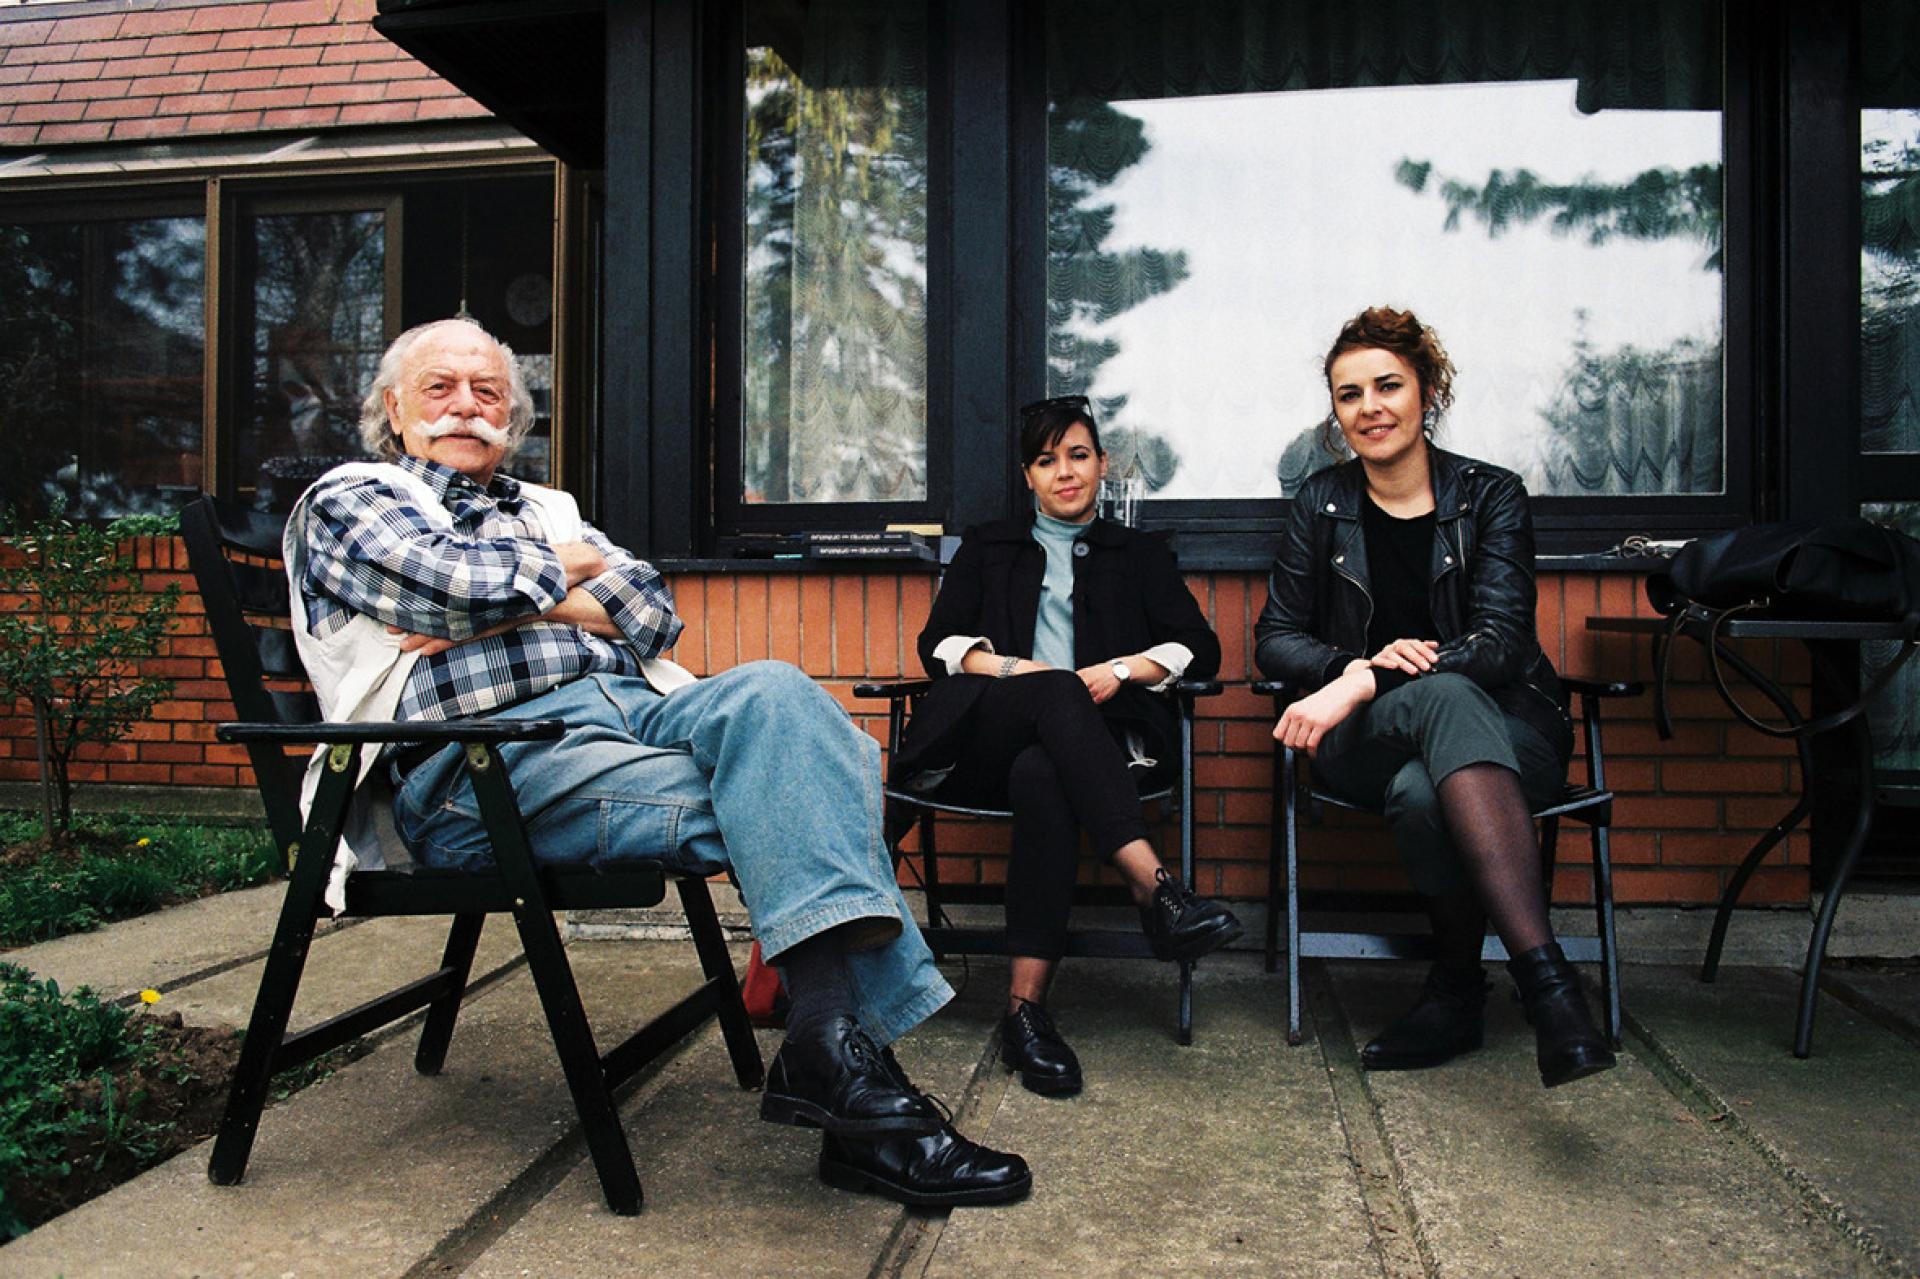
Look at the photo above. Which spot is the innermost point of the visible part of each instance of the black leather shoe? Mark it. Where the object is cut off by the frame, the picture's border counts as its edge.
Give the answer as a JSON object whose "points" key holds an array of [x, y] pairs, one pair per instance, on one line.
{"points": [[1567, 1044], [834, 1077], [943, 1170], [1181, 924], [1448, 1019], [1030, 1045]]}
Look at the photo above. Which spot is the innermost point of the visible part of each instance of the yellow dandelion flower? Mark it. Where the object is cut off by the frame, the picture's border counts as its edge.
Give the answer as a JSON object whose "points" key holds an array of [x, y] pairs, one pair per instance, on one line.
{"points": [[149, 996], [142, 842]]}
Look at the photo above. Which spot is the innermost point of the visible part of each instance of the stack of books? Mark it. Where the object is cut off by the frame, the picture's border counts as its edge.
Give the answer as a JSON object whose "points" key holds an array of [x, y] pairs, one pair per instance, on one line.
{"points": [[856, 544]]}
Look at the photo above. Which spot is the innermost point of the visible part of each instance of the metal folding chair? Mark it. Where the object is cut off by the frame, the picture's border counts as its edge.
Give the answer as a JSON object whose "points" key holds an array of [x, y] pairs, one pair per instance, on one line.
{"points": [[1590, 803]]}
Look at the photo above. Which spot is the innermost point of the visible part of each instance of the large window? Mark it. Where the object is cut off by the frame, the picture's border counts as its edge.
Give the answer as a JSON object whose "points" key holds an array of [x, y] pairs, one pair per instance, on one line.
{"points": [[1229, 180], [101, 355], [1890, 321], [834, 323], [104, 326]]}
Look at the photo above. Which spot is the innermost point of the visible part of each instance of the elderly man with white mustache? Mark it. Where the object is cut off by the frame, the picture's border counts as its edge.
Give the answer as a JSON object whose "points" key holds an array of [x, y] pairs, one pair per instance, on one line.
{"points": [[429, 585]]}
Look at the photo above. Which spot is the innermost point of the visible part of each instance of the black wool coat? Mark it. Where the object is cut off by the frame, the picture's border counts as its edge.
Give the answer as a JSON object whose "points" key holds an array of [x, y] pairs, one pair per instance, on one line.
{"points": [[1127, 596]]}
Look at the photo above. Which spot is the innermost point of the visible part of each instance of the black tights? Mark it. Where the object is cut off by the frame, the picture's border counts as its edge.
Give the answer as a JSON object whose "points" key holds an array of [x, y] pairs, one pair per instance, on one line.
{"points": [[1041, 747], [1488, 820]]}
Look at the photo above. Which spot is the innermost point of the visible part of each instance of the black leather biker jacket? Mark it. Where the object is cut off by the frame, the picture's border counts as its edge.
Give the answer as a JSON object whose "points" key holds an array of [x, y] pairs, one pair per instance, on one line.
{"points": [[1482, 597]]}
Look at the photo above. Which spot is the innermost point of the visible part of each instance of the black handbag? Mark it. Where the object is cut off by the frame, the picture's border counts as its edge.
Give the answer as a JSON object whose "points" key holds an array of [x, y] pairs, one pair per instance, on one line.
{"points": [[1847, 569]]}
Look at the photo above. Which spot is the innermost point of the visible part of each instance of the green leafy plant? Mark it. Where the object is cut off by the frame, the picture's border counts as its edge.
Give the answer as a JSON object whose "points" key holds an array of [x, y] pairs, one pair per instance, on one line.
{"points": [[58, 1056], [75, 627], [117, 867]]}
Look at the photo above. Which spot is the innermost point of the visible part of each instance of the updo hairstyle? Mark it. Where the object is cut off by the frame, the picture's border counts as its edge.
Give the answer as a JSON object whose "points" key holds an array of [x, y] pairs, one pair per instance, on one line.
{"points": [[1401, 332]]}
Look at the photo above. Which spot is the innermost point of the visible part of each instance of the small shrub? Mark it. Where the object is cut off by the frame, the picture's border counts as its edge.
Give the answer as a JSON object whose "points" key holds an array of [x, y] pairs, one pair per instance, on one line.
{"points": [[77, 626]]}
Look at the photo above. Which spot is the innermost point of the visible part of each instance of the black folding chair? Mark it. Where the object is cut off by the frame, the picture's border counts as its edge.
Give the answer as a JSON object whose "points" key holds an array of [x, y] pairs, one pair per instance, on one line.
{"points": [[907, 808], [1589, 802], [234, 554]]}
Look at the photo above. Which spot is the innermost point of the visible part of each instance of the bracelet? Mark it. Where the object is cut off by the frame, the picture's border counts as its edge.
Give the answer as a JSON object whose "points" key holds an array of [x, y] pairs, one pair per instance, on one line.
{"points": [[1006, 667]]}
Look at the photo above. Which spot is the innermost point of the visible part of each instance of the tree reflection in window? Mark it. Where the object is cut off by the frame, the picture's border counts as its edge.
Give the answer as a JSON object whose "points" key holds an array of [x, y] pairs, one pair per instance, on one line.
{"points": [[316, 292], [1299, 161], [836, 253], [101, 355]]}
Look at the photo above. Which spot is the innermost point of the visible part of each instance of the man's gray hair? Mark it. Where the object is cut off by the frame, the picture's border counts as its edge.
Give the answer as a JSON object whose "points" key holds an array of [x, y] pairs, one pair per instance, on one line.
{"points": [[376, 432]]}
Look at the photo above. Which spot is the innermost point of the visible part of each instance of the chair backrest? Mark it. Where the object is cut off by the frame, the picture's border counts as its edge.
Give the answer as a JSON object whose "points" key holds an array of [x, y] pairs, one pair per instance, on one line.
{"points": [[235, 556]]}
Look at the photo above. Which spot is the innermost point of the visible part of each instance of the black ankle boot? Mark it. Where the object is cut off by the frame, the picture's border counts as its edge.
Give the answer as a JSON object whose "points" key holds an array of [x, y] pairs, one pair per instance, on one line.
{"points": [[1448, 1019], [1569, 1046]]}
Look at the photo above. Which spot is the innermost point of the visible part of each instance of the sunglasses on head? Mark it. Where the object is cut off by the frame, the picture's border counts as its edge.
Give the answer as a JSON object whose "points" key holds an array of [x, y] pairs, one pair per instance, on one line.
{"points": [[1057, 402]]}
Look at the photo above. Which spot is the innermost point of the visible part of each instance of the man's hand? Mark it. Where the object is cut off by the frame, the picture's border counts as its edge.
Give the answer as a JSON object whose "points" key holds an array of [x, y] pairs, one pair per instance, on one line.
{"points": [[429, 645], [577, 609], [1308, 720], [580, 561], [1414, 656]]}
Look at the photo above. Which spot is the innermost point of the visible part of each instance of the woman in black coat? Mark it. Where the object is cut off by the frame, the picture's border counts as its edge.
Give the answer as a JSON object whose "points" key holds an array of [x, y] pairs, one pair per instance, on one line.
{"points": [[1046, 644], [1401, 603]]}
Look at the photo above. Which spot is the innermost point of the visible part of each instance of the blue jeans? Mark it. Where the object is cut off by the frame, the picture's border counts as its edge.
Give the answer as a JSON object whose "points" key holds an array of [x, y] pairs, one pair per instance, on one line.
{"points": [[755, 771]]}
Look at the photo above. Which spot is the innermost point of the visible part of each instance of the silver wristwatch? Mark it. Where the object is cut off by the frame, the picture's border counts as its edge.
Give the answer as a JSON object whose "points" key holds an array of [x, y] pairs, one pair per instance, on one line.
{"points": [[1122, 672]]}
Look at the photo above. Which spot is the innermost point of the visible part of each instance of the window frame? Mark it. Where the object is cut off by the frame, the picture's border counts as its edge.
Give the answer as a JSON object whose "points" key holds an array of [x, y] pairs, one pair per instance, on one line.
{"points": [[734, 521], [174, 199], [216, 193], [1239, 532]]}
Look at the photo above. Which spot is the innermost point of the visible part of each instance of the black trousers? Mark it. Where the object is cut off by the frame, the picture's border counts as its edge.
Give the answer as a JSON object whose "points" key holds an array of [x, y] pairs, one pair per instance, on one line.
{"points": [[1040, 747]]}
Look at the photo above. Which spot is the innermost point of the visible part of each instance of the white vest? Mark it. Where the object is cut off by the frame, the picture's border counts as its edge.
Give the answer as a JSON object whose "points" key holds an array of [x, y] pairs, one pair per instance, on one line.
{"points": [[359, 671]]}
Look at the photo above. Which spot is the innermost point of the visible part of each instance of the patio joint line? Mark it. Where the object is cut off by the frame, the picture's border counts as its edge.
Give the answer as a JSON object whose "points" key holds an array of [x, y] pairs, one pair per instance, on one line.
{"points": [[1398, 1238], [467, 1242], [910, 1247], [1700, 1097]]}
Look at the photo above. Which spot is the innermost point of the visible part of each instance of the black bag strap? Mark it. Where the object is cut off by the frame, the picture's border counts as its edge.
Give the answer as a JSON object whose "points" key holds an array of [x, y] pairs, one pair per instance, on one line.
{"points": [[1805, 728]]}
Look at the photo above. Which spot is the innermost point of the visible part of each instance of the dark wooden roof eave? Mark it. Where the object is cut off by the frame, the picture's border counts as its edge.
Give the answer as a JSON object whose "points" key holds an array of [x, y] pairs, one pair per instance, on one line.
{"points": [[539, 65]]}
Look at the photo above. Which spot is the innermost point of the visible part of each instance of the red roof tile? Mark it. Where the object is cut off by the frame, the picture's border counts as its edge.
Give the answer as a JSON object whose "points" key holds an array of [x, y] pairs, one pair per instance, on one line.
{"points": [[210, 69]]}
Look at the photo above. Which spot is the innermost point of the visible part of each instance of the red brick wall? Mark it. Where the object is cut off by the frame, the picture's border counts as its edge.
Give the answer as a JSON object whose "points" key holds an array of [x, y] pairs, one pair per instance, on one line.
{"points": [[1688, 808]]}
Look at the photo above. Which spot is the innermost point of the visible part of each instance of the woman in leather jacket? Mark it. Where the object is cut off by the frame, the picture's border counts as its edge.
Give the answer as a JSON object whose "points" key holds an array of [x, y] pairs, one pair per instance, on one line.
{"points": [[1046, 644], [1401, 605]]}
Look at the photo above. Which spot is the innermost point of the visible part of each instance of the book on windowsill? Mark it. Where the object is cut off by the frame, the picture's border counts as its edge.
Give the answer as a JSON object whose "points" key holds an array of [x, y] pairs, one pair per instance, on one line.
{"points": [[914, 548]]}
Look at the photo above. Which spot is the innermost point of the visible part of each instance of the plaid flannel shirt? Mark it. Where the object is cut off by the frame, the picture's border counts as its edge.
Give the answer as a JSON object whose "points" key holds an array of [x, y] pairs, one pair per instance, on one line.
{"points": [[372, 552]]}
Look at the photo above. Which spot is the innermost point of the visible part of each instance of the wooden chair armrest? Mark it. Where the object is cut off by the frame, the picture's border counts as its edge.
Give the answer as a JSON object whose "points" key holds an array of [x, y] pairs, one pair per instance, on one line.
{"points": [[446, 730]]}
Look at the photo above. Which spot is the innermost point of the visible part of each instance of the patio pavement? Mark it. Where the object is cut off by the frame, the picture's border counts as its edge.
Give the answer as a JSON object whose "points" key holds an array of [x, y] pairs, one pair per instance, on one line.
{"points": [[1709, 1151]]}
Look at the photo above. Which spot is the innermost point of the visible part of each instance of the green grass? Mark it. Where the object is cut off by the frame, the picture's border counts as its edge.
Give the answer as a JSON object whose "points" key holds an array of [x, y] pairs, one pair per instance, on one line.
{"points": [[112, 875]]}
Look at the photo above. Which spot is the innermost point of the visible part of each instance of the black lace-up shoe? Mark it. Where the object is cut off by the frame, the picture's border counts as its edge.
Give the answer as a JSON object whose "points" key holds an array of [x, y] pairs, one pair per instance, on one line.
{"points": [[834, 1077], [943, 1170], [1181, 924], [1030, 1045], [1448, 1019]]}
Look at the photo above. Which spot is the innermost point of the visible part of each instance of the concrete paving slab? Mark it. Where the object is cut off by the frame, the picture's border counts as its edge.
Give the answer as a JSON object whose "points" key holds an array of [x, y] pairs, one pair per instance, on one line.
{"points": [[726, 1194], [345, 967], [1833, 1123], [1611, 1175], [163, 950], [367, 1172], [1890, 996], [1225, 1157]]}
